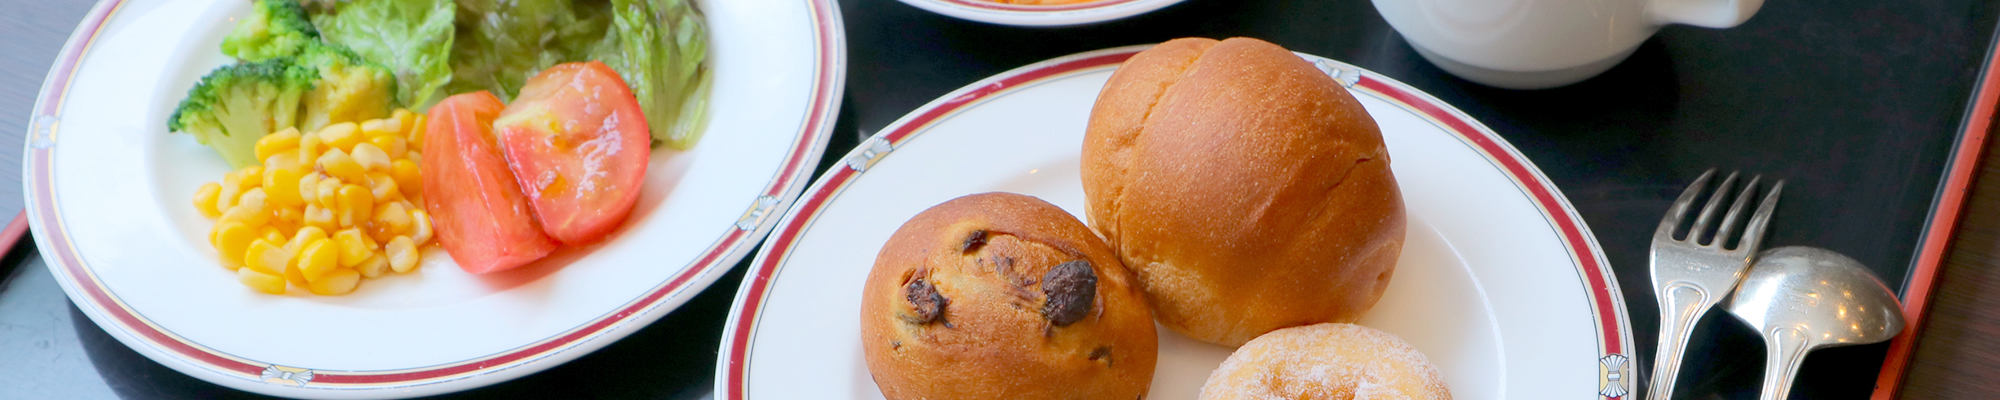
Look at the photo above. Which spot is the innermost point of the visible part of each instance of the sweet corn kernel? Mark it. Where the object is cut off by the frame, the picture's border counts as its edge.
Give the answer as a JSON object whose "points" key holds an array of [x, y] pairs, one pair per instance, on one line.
{"points": [[393, 217], [383, 187], [371, 158], [250, 177], [416, 131], [341, 136], [282, 141], [404, 118], [245, 217], [339, 164], [204, 199], [260, 281], [232, 239], [295, 275], [407, 176], [322, 218], [309, 146], [356, 203], [328, 192], [338, 282], [362, 181], [291, 217], [272, 234], [354, 247], [279, 226], [253, 206], [420, 223], [249, 211], [373, 267], [402, 254], [266, 257], [303, 236], [316, 258], [381, 127], [281, 176], [309, 187], [380, 230], [395, 145], [233, 179], [255, 199], [227, 197]]}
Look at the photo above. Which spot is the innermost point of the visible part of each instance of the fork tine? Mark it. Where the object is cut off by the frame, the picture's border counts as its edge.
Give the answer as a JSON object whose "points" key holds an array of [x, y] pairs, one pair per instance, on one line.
{"points": [[1753, 235], [1729, 221], [1678, 212], [1705, 224]]}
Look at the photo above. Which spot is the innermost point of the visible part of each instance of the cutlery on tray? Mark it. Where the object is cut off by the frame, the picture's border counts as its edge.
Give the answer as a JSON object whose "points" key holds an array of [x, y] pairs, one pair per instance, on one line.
{"points": [[1801, 299], [1690, 275]]}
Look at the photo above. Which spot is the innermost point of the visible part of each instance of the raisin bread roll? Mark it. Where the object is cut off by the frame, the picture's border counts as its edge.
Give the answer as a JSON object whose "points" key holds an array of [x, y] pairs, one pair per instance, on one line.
{"points": [[1004, 296]]}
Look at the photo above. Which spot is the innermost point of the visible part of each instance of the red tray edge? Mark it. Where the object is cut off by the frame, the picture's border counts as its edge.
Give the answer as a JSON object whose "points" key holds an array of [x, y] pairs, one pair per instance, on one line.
{"points": [[1942, 225]]}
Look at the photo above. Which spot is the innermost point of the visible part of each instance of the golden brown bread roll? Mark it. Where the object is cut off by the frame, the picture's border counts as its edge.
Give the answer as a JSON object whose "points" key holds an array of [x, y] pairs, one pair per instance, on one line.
{"points": [[1248, 190], [1326, 362], [1004, 296]]}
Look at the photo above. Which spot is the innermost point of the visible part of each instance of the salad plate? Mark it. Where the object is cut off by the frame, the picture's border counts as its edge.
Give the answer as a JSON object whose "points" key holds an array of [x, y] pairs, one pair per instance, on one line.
{"points": [[994, 12], [109, 193], [1500, 283]]}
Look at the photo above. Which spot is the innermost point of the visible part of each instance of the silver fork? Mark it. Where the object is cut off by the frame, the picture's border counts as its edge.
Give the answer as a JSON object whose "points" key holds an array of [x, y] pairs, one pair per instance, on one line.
{"points": [[1690, 277]]}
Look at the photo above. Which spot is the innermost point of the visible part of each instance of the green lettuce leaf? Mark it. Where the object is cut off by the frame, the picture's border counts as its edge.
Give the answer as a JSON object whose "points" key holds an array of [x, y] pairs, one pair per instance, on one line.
{"points": [[504, 42], [662, 48], [413, 38], [659, 47]]}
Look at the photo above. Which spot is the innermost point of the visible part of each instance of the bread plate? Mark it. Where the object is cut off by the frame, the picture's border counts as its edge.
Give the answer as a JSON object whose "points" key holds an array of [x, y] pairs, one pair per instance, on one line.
{"points": [[1500, 283], [993, 12], [109, 200]]}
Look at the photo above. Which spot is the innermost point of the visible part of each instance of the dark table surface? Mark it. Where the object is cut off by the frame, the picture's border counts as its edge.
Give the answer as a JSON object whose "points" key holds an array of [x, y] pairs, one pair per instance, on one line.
{"points": [[1855, 103]]}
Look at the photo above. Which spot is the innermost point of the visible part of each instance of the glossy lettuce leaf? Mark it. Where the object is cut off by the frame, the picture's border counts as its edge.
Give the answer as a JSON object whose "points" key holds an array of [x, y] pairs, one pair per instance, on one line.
{"points": [[413, 38], [504, 42], [659, 47], [662, 46]]}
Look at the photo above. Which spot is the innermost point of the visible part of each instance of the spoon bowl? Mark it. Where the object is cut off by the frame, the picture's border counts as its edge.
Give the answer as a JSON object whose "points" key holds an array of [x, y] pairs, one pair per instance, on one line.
{"points": [[1804, 298]]}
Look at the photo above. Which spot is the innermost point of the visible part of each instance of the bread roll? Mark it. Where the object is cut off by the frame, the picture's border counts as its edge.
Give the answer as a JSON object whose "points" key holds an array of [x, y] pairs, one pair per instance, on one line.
{"points": [[1248, 190], [1004, 296], [1326, 362]]}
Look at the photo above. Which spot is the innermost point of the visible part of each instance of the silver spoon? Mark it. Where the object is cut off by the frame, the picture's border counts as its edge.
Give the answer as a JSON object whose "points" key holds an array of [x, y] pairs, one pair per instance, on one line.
{"points": [[1802, 299]]}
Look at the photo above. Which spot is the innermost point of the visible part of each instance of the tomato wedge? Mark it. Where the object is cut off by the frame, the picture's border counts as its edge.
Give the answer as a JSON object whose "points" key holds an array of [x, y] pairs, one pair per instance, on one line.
{"points": [[578, 145], [475, 204]]}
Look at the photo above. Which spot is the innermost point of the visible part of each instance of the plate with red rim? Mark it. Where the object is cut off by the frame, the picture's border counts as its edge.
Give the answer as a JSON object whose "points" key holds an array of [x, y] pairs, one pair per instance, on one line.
{"points": [[1500, 283], [109, 194], [994, 12]]}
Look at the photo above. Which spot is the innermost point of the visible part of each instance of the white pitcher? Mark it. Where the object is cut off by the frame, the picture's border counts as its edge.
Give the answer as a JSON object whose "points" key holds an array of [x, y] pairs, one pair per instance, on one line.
{"points": [[1533, 44]]}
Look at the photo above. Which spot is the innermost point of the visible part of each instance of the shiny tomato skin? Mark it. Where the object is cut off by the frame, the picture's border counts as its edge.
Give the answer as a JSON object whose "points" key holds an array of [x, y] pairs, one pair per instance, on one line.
{"points": [[476, 205], [578, 145]]}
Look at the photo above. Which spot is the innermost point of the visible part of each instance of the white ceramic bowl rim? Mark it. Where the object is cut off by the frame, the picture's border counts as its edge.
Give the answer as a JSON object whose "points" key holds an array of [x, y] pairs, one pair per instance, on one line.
{"points": [[1609, 323], [1040, 15], [105, 307]]}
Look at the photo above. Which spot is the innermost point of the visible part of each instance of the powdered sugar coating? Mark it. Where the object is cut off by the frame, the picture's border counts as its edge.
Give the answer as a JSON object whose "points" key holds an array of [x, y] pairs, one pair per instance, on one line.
{"points": [[1326, 361]]}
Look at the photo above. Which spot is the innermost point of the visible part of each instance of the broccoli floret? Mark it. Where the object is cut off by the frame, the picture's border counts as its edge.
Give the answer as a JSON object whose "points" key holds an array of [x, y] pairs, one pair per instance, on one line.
{"points": [[275, 28], [237, 104], [349, 88]]}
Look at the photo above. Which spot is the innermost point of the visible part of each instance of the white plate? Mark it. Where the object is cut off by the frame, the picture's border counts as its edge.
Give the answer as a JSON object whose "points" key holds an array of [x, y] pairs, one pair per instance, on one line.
{"points": [[1500, 284], [1037, 15], [109, 194]]}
